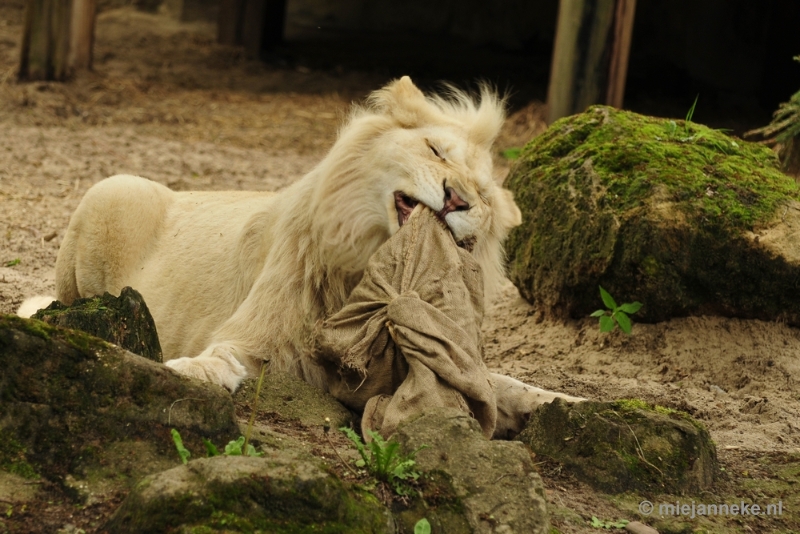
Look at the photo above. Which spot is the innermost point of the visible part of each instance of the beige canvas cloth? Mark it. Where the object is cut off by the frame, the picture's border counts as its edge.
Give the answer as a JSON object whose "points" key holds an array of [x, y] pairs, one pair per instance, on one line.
{"points": [[409, 338]]}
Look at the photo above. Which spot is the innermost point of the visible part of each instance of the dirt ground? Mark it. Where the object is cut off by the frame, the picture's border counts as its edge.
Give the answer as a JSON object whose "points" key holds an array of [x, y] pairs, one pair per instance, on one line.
{"points": [[165, 102]]}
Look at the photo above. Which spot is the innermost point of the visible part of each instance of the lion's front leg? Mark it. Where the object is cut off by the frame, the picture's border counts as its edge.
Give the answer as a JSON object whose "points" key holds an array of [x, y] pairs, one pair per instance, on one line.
{"points": [[218, 364], [515, 402]]}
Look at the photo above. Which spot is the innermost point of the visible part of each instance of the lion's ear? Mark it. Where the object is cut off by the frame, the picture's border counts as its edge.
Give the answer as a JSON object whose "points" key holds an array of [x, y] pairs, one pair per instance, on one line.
{"points": [[507, 214], [402, 100]]}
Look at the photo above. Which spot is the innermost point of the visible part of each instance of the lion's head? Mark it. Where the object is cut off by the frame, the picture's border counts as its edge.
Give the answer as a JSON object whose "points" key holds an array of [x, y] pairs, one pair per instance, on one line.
{"points": [[403, 148]]}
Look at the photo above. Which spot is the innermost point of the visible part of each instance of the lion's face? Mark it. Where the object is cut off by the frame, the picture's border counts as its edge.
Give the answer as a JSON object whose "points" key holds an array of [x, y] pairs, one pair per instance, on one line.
{"points": [[403, 149], [437, 151], [439, 166]]}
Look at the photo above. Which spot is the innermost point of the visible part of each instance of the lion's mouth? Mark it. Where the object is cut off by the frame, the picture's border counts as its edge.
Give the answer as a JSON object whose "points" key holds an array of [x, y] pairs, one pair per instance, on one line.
{"points": [[405, 204]]}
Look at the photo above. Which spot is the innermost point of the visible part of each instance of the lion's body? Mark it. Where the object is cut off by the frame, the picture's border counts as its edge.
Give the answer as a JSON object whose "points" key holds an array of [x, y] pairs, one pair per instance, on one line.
{"points": [[234, 279], [185, 252]]}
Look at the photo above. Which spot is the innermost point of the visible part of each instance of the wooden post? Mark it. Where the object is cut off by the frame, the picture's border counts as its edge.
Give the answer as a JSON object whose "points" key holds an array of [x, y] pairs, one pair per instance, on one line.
{"points": [[255, 24], [57, 39], [82, 34], [230, 22], [590, 57]]}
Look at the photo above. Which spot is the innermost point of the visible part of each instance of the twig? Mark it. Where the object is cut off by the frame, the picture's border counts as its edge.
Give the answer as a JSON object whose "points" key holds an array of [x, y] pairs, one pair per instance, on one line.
{"points": [[639, 450], [339, 456], [169, 414], [255, 404]]}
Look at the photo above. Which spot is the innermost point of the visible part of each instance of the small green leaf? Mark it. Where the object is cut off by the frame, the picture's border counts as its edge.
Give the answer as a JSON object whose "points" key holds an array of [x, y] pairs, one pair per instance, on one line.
{"points": [[512, 153], [234, 448], [690, 113], [606, 323], [251, 451], [607, 300], [623, 321], [596, 523], [211, 450], [15, 261], [598, 313], [422, 527], [631, 307], [182, 451]]}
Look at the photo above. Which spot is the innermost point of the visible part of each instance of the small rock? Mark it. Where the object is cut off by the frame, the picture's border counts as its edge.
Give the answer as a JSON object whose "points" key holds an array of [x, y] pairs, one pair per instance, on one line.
{"points": [[634, 527], [276, 493], [495, 484], [625, 445], [124, 321]]}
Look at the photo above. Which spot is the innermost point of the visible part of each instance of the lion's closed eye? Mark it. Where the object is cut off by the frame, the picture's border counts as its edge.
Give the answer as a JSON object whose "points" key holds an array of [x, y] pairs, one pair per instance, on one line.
{"points": [[436, 151]]}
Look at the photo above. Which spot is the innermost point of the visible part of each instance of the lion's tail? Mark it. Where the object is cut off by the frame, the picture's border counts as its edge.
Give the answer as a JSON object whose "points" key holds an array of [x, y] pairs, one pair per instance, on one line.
{"points": [[34, 304]]}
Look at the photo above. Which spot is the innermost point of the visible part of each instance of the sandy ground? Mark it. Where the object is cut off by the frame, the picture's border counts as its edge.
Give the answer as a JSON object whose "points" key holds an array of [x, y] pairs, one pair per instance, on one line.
{"points": [[165, 102]]}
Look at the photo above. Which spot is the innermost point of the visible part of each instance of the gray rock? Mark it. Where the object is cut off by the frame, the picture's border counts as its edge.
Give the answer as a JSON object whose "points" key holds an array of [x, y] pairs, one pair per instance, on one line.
{"points": [[483, 486], [93, 416], [124, 321], [680, 217], [275, 493], [625, 445], [291, 399]]}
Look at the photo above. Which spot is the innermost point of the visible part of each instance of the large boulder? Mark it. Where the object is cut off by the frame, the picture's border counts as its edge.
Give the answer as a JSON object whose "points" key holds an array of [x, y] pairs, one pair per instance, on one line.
{"points": [[680, 217], [625, 445], [92, 416], [472, 484], [277, 493], [124, 321]]}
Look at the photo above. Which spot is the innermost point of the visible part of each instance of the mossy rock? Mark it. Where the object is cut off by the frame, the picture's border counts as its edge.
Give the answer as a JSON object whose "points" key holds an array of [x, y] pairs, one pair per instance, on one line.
{"points": [[471, 484], [95, 417], [124, 321], [680, 217], [625, 445], [292, 399], [275, 493]]}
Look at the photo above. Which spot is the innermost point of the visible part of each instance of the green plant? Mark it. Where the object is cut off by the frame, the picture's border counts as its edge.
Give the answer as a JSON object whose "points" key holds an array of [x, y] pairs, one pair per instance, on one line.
{"points": [[183, 452], [615, 315], [15, 261], [422, 527], [785, 126], [383, 460], [236, 447], [599, 523], [673, 126], [512, 153]]}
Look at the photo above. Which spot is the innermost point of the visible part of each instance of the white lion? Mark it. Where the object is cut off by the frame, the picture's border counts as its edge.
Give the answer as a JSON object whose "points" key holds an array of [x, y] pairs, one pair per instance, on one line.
{"points": [[236, 278]]}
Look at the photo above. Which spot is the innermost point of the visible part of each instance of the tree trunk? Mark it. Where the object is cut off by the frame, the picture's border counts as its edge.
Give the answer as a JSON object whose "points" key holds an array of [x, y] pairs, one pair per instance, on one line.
{"points": [[590, 57], [57, 39]]}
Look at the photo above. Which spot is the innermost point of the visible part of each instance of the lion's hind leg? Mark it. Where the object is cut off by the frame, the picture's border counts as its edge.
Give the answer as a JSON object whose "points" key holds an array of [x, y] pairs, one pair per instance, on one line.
{"points": [[112, 232]]}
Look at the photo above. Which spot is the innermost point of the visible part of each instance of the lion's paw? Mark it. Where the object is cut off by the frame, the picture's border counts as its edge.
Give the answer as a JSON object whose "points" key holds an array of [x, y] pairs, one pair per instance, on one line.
{"points": [[216, 366]]}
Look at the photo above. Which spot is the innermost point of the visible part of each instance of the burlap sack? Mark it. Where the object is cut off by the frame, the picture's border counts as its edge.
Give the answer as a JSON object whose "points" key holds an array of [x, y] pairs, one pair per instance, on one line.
{"points": [[409, 338]]}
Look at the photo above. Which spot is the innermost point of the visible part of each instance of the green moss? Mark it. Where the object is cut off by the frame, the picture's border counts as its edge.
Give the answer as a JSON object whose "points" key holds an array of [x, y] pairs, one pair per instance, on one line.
{"points": [[13, 457], [633, 154], [30, 326], [627, 405], [624, 445], [654, 211]]}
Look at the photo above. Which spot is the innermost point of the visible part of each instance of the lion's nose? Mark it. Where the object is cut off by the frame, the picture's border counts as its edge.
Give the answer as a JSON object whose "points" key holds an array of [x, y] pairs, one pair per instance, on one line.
{"points": [[452, 202]]}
